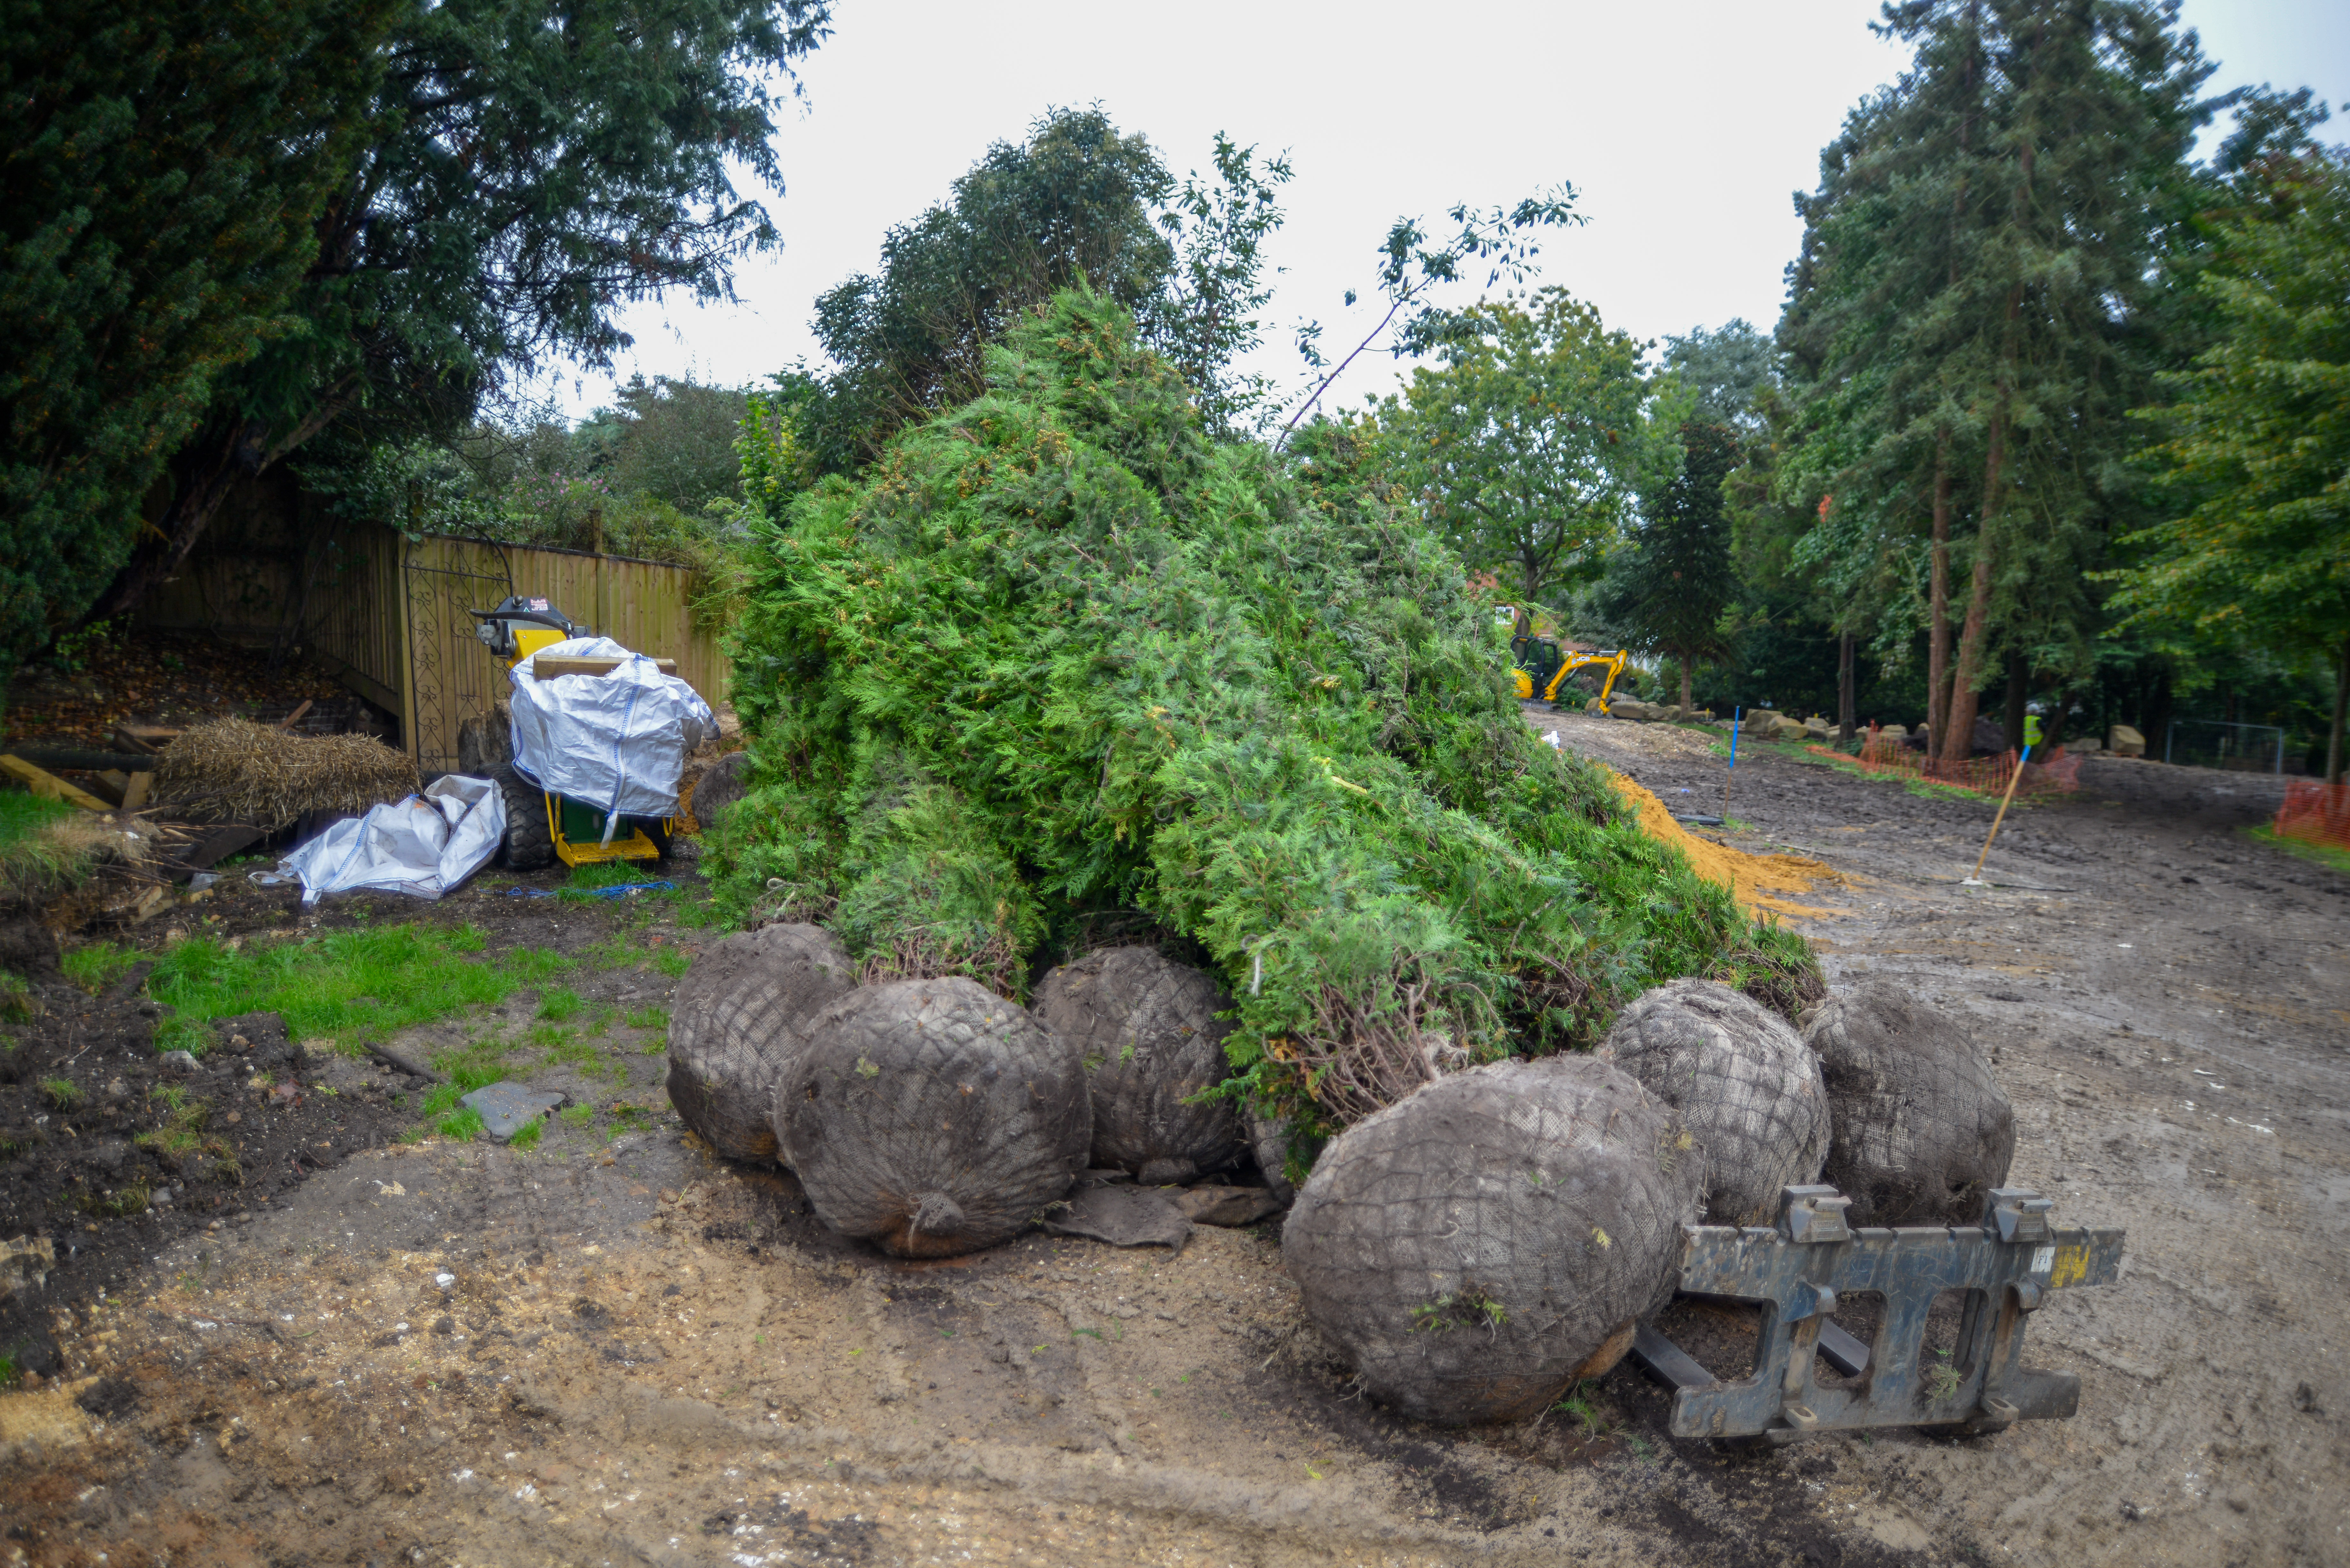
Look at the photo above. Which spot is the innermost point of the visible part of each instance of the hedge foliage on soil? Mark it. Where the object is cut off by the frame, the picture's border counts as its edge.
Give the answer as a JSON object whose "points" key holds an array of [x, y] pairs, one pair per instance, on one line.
{"points": [[1056, 656]]}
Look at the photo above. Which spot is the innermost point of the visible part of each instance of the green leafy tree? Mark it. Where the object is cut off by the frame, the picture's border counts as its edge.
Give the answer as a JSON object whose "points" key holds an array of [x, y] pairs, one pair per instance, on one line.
{"points": [[1414, 262], [165, 167], [1728, 371], [2259, 448], [528, 169], [1669, 590], [1079, 200], [1529, 441], [669, 438]]}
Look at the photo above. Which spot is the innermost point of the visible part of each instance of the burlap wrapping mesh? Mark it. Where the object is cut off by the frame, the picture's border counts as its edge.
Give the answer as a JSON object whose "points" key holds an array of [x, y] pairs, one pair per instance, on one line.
{"points": [[932, 1117], [1146, 1029], [1921, 1130], [1471, 1248], [1745, 1085], [735, 1022]]}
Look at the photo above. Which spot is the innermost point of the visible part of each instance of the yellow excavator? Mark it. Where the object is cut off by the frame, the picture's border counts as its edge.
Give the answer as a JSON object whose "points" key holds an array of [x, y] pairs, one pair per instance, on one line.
{"points": [[540, 824], [1542, 666]]}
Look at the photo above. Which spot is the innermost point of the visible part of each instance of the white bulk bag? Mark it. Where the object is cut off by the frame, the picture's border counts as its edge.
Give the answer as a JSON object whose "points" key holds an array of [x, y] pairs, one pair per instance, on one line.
{"points": [[616, 742], [422, 845]]}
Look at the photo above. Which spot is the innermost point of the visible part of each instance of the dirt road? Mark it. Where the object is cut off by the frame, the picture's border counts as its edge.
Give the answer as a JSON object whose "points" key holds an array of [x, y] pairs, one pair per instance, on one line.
{"points": [[613, 1349]]}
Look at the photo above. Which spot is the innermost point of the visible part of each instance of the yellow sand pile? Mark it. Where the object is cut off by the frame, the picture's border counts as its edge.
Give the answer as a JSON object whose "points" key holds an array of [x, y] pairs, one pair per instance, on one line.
{"points": [[1750, 878]]}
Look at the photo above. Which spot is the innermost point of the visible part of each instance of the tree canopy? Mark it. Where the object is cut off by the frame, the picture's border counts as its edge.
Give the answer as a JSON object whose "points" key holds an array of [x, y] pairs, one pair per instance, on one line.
{"points": [[166, 166], [2258, 447], [1529, 440], [518, 172]]}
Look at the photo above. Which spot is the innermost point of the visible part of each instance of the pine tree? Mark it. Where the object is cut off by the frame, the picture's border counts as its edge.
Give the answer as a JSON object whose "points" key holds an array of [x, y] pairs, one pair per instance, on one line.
{"points": [[1668, 591], [1967, 308]]}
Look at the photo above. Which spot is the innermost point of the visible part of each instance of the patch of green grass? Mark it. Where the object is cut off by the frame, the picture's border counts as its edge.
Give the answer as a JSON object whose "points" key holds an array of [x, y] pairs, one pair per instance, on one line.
{"points": [[571, 1049], [547, 1036], [349, 985], [532, 965], [19, 1002], [96, 966], [646, 1018], [560, 1004], [528, 1136], [628, 1118], [2324, 854], [577, 1116], [34, 859], [460, 1126], [183, 1131], [672, 963], [10, 1373], [120, 1204], [61, 1093]]}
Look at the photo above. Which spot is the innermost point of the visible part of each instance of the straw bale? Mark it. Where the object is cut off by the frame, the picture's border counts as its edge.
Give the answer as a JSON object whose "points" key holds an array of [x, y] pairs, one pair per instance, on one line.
{"points": [[234, 770]]}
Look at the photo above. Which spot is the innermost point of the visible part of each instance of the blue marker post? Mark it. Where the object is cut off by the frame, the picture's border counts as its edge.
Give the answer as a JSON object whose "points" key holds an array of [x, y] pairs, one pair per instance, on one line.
{"points": [[1976, 880], [1737, 717]]}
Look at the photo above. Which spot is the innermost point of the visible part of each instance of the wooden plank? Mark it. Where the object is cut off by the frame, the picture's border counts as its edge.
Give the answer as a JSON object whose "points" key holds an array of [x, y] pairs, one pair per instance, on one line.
{"points": [[48, 785], [134, 794], [546, 667], [111, 786], [149, 738]]}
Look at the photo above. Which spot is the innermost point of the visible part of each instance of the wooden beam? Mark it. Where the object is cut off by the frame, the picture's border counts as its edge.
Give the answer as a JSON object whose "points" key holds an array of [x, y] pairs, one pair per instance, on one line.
{"points": [[49, 785], [547, 668]]}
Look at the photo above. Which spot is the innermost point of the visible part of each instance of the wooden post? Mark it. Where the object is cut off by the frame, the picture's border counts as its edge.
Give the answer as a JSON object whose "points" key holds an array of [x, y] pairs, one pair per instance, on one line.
{"points": [[2022, 757]]}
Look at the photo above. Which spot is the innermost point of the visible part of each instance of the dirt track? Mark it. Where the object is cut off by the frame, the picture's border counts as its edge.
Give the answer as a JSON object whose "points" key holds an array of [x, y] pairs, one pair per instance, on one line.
{"points": [[639, 1354]]}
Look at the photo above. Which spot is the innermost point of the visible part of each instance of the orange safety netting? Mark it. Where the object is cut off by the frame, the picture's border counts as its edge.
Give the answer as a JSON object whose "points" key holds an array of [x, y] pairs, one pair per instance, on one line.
{"points": [[1987, 775], [2315, 813]]}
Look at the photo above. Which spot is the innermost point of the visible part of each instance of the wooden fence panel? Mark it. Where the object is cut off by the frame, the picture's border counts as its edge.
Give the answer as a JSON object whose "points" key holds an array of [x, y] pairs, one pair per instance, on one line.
{"points": [[389, 616], [642, 605]]}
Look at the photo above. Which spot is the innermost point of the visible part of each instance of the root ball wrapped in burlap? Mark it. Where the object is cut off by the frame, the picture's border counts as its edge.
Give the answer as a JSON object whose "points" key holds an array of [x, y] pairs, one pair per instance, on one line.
{"points": [[1146, 1029], [1744, 1082], [1921, 1130], [932, 1117], [735, 1024], [1477, 1247]]}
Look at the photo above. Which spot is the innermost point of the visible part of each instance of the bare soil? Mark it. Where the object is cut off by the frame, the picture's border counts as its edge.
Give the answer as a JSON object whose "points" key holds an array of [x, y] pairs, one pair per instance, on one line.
{"points": [[615, 1348]]}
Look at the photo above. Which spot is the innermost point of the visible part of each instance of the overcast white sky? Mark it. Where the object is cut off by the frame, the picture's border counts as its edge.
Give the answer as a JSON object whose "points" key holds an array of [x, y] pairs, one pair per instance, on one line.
{"points": [[1684, 128]]}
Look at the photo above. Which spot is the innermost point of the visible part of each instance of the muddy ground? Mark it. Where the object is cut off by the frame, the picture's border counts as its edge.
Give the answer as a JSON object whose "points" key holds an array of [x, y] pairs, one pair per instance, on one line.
{"points": [[615, 1349]]}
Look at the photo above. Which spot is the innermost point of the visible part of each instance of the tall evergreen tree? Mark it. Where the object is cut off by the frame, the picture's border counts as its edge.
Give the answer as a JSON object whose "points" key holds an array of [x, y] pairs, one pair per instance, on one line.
{"points": [[1669, 589], [1968, 309], [165, 166]]}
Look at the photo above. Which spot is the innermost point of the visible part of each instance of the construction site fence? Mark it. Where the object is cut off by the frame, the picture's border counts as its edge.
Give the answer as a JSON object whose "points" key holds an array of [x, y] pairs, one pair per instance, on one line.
{"points": [[2315, 813], [1880, 753]]}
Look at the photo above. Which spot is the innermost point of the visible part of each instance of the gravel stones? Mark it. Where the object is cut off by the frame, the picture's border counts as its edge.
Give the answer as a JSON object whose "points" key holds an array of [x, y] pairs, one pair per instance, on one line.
{"points": [[1744, 1082], [1478, 1246], [735, 1022]]}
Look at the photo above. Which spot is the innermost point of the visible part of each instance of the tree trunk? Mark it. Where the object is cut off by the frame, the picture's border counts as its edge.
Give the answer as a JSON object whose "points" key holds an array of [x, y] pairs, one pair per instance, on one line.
{"points": [[1957, 740], [2341, 702], [2019, 698], [1937, 630], [224, 454], [238, 452], [1685, 688], [1847, 699]]}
